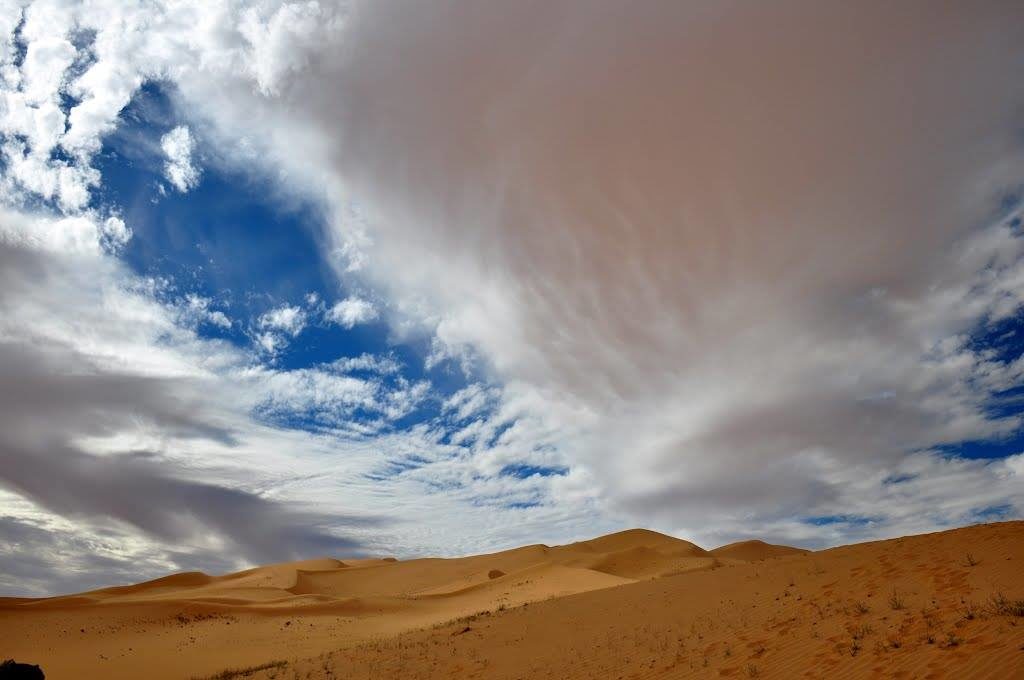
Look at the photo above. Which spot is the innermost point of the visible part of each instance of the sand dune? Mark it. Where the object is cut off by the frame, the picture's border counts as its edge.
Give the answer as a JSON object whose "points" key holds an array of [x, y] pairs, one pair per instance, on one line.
{"points": [[751, 551], [632, 604]]}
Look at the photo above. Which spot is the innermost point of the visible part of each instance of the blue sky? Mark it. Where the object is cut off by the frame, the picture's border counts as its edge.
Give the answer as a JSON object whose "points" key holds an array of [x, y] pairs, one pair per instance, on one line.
{"points": [[235, 240], [229, 238], [284, 279]]}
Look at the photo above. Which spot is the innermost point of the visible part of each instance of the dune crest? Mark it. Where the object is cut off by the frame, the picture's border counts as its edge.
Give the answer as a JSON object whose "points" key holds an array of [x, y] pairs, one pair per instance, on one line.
{"points": [[751, 551]]}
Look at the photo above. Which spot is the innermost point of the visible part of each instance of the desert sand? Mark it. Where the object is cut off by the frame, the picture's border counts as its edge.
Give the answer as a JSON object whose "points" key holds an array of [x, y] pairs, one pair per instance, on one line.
{"points": [[635, 604]]}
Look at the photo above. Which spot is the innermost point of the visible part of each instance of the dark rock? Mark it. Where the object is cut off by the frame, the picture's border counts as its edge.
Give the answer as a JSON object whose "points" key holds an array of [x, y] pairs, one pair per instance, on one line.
{"points": [[12, 670]]}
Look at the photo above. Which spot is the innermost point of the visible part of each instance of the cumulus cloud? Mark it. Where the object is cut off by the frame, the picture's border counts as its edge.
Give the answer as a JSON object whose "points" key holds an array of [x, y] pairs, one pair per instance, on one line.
{"points": [[32, 120], [351, 311], [286, 318], [179, 169], [277, 326], [64, 235]]}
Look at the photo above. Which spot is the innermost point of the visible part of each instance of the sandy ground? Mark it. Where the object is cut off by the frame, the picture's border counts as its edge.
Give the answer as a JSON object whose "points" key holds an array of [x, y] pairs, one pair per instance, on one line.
{"points": [[635, 604]]}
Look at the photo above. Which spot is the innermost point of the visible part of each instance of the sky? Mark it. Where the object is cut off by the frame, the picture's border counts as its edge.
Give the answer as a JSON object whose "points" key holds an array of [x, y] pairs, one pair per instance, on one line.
{"points": [[289, 279]]}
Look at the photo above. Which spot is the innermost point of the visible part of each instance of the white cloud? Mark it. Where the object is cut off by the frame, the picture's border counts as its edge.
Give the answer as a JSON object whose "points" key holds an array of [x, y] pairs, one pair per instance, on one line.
{"points": [[115, 233], [85, 234], [289, 319], [469, 401], [270, 342], [328, 398], [275, 37], [383, 365], [276, 327], [32, 121], [351, 311], [195, 310], [320, 395], [179, 169]]}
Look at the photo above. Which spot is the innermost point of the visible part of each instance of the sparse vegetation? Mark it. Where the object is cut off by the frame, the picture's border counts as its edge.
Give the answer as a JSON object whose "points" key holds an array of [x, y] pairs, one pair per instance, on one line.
{"points": [[1003, 606], [896, 600], [951, 640], [860, 632], [229, 673], [752, 671], [928, 616], [969, 560]]}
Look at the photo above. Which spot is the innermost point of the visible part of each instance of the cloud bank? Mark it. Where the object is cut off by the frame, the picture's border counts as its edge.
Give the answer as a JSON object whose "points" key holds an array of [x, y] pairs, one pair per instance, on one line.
{"points": [[725, 270], [744, 252]]}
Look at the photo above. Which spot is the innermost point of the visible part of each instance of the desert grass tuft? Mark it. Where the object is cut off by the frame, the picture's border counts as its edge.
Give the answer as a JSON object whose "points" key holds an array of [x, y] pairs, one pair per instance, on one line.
{"points": [[896, 600]]}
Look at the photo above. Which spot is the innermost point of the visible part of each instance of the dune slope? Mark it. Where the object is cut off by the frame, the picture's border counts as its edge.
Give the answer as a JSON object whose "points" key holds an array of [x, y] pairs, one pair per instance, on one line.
{"points": [[634, 604]]}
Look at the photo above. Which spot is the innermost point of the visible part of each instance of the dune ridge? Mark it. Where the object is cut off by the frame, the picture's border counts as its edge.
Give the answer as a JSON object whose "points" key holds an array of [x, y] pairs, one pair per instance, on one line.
{"points": [[633, 604], [751, 551]]}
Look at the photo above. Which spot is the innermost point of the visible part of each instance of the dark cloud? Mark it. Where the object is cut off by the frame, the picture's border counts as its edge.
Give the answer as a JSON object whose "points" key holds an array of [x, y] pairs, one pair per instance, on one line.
{"points": [[144, 494], [55, 390], [53, 396], [39, 561]]}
